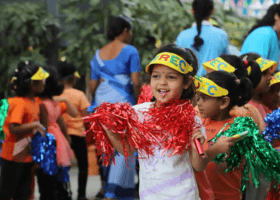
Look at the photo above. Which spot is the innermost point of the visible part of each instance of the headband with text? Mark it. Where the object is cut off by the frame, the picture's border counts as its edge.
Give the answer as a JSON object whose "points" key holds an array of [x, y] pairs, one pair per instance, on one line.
{"points": [[267, 64], [275, 79], [218, 64], [198, 82], [173, 61], [212, 89]]}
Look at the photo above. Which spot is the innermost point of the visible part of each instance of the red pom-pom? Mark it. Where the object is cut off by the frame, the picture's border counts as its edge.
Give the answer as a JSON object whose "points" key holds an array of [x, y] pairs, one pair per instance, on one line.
{"points": [[145, 94], [176, 122], [121, 119]]}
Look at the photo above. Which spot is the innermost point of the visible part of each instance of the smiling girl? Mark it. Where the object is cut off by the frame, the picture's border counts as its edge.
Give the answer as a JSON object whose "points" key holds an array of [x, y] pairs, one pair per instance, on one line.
{"points": [[163, 176]]}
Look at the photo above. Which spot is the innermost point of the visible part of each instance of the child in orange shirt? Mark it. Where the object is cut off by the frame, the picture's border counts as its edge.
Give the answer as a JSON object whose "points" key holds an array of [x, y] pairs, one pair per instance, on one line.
{"points": [[51, 187], [21, 123], [68, 74], [216, 98]]}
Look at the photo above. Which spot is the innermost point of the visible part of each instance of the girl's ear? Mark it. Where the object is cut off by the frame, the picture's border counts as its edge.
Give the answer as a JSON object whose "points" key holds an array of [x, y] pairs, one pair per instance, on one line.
{"points": [[188, 82], [225, 101]]}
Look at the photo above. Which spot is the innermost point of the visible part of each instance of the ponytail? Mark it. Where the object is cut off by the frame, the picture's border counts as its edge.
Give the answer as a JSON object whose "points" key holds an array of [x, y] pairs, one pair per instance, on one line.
{"points": [[245, 90], [202, 9], [254, 73]]}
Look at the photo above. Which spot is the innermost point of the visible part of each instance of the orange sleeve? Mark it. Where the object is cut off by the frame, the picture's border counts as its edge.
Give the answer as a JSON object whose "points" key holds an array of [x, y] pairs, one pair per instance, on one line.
{"points": [[63, 107], [84, 103], [16, 111]]}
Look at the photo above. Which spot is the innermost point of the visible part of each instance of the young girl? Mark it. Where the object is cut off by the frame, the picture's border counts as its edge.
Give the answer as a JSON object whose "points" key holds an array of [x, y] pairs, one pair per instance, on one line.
{"points": [[51, 114], [241, 69], [21, 123], [215, 100], [162, 176]]}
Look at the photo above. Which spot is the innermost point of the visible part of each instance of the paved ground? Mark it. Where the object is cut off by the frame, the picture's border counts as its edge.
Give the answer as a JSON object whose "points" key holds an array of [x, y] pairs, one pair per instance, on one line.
{"points": [[93, 185]]}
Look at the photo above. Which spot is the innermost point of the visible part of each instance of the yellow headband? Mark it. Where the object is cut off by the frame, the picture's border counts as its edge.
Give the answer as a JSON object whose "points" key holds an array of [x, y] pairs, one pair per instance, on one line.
{"points": [[275, 79], [198, 82], [40, 75], [77, 74], [218, 64], [212, 89], [266, 64], [173, 61]]}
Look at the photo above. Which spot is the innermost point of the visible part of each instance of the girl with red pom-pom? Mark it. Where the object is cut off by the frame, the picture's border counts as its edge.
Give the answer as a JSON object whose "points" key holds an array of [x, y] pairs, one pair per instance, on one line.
{"points": [[169, 173]]}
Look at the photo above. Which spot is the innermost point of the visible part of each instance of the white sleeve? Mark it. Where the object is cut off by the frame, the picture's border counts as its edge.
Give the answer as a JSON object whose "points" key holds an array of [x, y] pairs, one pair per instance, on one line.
{"points": [[199, 124]]}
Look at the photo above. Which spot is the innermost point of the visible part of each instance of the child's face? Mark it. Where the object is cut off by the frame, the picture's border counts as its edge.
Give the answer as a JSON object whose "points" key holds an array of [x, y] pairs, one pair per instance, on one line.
{"points": [[264, 84], [37, 87], [271, 98], [167, 84], [209, 107]]}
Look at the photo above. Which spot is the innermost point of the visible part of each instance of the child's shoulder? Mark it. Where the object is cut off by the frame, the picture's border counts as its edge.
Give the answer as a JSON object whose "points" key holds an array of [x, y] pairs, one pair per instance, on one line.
{"points": [[73, 91]]}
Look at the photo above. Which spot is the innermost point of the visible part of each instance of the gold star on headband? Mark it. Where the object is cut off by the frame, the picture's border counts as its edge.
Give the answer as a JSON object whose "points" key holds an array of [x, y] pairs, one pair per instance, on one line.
{"points": [[173, 61], [218, 64], [212, 89]]}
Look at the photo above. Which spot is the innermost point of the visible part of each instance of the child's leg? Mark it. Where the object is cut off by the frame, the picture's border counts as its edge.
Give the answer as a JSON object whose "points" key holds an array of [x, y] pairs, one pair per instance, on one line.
{"points": [[15, 180], [63, 191], [46, 185], [79, 147]]}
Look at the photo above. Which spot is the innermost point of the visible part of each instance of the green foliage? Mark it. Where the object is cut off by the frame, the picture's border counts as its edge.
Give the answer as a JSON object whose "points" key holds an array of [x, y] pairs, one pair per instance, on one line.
{"points": [[152, 20], [24, 36]]}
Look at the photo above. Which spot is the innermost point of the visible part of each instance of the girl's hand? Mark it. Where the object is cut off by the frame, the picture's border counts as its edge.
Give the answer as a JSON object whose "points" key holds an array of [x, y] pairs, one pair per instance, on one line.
{"points": [[199, 136], [39, 127], [224, 144]]}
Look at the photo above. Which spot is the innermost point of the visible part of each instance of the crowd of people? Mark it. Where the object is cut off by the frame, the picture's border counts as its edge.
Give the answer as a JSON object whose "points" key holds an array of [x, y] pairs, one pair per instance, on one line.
{"points": [[45, 101]]}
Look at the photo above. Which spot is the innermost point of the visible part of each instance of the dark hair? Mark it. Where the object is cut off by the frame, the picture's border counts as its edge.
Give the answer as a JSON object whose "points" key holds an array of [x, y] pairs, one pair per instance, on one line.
{"points": [[66, 70], [23, 74], [117, 25], [241, 68], [190, 58], [268, 19], [52, 86], [239, 92], [202, 9]]}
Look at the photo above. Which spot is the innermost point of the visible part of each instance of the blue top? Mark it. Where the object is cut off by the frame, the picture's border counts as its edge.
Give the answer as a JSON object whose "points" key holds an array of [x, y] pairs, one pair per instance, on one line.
{"points": [[215, 43], [117, 84], [127, 62], [264, 41]]}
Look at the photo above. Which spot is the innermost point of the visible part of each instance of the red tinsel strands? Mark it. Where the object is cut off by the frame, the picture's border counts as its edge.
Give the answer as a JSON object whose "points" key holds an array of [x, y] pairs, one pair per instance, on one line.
{"points": [[274, 193], [176, 122], [146, 94], [121, 119]]}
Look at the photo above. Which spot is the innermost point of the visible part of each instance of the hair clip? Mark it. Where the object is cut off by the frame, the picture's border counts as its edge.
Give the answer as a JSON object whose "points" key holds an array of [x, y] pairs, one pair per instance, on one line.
{"points": [[16, 70], [238, 81], [245, 61], [26, 62]]}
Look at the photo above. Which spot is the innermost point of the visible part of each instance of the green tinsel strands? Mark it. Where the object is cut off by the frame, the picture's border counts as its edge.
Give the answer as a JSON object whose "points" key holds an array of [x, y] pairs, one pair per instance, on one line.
{"points": [[259, 155], [4, 106]]}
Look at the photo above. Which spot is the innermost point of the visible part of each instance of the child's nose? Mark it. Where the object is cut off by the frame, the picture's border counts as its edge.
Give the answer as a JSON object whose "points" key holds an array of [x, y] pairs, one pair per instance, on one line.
{"points": [[162, 80]]}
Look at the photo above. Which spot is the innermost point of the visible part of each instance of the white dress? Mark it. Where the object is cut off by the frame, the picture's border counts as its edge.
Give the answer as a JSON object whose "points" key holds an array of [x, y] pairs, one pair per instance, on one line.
{"points": [[166, 178]]}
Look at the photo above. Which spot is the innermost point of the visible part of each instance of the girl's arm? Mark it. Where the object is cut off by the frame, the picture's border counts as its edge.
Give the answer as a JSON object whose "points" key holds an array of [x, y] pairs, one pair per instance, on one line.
{"points": [[198, 163], [44, 120], [26, 128], [135, 78], [116, 142], [72, 111], [63, 127], [92, 86]]}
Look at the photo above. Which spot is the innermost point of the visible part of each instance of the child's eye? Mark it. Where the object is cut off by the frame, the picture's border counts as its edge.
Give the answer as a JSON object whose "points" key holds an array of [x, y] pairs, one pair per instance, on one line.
{"points": [[171, 77], [155, 76]]}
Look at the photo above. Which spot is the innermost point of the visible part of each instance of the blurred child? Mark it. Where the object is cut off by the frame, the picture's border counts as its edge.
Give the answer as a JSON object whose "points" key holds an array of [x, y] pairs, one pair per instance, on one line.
{"points": [[51, 114], [21, 123], [68, 75]]}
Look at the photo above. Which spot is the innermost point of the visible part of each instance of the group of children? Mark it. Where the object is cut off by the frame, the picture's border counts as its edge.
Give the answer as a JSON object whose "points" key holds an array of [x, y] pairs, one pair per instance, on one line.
{"points": [[233, 87], [45, 102]]}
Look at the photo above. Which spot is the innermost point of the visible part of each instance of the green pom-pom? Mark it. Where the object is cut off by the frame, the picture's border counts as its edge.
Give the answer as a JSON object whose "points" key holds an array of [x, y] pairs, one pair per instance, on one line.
{"points": [[259, 156], [4, 106]]}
